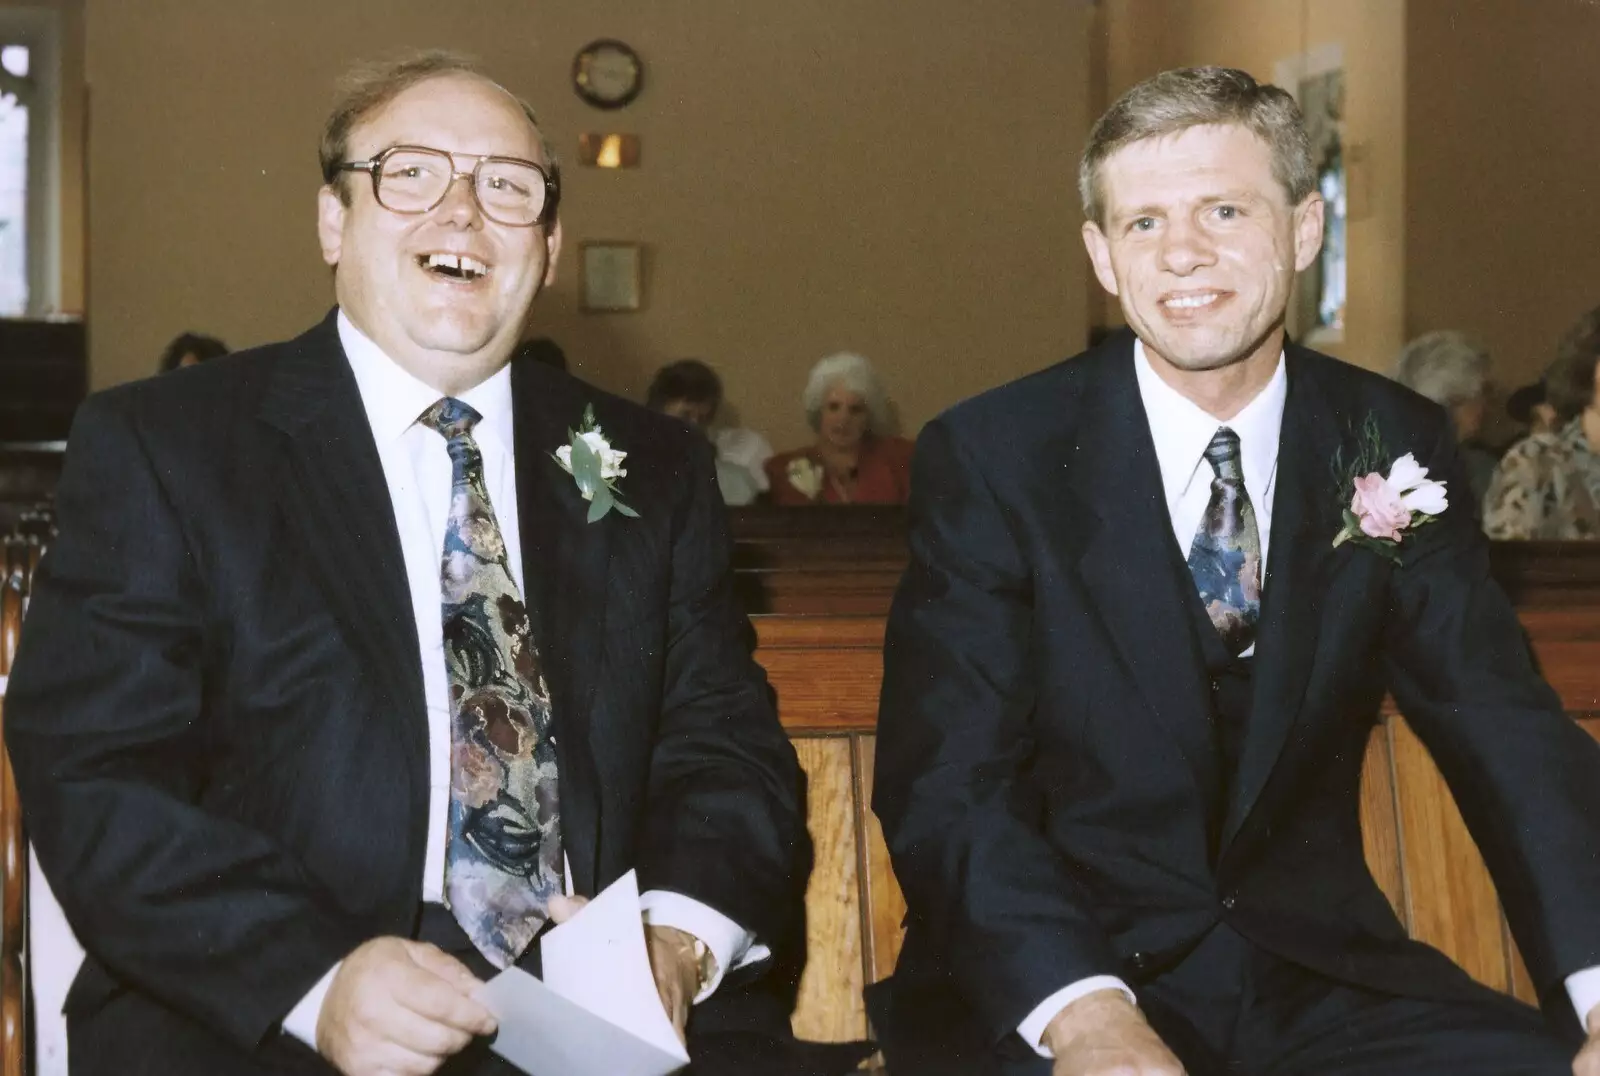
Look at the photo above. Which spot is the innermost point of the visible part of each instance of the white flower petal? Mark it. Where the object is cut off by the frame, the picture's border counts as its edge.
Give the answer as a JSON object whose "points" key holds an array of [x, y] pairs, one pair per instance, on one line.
{"points": [[564, 457], [1427, 498], [1406, 473]]}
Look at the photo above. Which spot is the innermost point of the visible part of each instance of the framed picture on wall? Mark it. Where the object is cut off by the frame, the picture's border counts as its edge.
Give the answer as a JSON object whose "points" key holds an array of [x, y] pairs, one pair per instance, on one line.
{"points": [[613, 276]]}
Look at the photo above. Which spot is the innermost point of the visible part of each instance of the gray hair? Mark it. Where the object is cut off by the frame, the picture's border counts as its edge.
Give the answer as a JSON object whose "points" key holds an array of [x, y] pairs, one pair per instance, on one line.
{"points": [[853, 373], [1175, 101], [1445, 366]]}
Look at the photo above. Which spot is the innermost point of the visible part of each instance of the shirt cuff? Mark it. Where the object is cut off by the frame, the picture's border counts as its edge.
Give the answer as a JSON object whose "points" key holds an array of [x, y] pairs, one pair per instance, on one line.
{"points": [[1033, 1028], [730, 945], [1583, 987], [302, 1019]]}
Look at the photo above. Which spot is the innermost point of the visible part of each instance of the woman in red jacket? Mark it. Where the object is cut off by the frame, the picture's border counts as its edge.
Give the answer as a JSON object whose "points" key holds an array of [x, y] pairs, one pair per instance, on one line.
{"points": [[852, 460]]}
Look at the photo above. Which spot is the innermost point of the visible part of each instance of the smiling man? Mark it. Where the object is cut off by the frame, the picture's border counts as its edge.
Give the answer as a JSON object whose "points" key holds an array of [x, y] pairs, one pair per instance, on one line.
{"points": [[1131, 672], [334, 693]]}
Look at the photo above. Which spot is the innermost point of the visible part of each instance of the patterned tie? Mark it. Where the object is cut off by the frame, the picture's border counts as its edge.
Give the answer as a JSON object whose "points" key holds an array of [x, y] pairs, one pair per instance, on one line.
{"points": [[1225, 557], [503, 858]]}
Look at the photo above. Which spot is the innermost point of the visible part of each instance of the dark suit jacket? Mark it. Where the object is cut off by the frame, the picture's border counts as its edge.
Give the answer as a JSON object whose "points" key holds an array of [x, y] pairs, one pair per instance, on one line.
{"points": [[216, 713], [1045, 759]]}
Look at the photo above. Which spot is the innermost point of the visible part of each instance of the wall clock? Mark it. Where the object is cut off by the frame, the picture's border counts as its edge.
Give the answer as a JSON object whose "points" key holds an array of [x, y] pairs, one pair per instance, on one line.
{"points": [[607, 73]]}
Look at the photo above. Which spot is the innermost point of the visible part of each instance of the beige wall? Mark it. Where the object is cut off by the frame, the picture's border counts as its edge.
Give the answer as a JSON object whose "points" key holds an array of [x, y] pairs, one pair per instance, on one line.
{"points": [[1147, 36], [821, 174], [1503, 177]]}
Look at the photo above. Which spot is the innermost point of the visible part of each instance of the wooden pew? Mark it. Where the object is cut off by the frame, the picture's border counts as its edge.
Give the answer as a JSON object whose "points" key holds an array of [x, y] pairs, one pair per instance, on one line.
{"points": [[827, 670], [19, 562]]}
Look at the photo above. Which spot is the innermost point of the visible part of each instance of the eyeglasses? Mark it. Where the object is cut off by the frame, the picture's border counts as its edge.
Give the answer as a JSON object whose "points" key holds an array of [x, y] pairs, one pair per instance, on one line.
{"points": [[415, 179]]}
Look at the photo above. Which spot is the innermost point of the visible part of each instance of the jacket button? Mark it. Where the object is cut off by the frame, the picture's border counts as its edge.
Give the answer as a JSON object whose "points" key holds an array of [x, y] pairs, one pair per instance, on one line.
{"points": [[1229, 901], [1139, 961]]}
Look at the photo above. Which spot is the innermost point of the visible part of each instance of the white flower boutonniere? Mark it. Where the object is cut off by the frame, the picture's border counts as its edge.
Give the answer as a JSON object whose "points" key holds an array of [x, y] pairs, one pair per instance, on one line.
{"points": [[806, 475], [1385, 509], [595, 466]]}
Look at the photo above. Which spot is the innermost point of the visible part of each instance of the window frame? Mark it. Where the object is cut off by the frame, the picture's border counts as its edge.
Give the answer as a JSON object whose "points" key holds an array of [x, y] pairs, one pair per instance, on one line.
{"points": [[39, 29]]}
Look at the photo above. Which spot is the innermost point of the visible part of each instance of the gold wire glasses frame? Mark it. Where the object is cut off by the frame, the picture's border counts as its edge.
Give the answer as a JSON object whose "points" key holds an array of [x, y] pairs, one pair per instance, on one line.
{"points": [[415, 179]]}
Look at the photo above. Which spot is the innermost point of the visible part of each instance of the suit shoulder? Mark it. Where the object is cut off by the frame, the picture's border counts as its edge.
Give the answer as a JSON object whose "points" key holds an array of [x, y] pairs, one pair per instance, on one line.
{"points": [[1356, 392], [1039, 404], [209, 396], [650, 438]]}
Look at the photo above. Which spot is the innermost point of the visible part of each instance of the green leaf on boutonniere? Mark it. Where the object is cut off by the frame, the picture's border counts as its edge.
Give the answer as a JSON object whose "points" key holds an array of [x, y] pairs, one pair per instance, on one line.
{"points": [[595, 466], [586, 471]]}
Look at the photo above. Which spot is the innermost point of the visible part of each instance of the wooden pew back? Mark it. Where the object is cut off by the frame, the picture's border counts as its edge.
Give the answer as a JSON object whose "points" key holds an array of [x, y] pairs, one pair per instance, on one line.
{"points": [[824, 657]]}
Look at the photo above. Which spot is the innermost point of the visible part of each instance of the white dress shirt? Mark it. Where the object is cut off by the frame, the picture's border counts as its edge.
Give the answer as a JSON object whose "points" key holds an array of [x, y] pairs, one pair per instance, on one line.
{"points": [[417, 469], [1181, 430]]}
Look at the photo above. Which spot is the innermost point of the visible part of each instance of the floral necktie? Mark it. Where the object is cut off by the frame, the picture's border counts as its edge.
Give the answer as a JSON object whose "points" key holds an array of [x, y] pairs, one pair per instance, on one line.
{"points": [[503, 858], [1225, 557]]}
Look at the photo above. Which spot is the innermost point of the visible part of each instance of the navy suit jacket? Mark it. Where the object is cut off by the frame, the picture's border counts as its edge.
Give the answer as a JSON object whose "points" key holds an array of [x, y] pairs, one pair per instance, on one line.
{"points": [[217, 719], [1045, 762]]}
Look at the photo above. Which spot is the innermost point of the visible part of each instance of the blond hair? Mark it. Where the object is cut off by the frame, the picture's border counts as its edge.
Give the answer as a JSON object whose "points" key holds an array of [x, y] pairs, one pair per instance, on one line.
{"points": [[1175, 101]]}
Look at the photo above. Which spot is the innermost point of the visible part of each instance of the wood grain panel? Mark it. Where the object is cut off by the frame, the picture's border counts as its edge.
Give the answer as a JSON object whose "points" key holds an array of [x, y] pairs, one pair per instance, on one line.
{"points": [[1521, 982], [1380, 829], [819, 632], [884, 910], [1453, 902], [826, 670], [830, 1008]]}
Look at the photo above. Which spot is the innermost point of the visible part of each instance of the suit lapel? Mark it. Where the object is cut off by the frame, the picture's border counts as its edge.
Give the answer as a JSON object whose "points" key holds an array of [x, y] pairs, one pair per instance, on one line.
{"points": [[336, 501], [1304, 522], [565, 560], [1127, 559]]}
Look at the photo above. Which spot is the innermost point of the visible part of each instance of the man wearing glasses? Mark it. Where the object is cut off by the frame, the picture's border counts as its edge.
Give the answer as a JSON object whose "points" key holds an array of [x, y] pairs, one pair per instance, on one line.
{"points": [[338, 686]]}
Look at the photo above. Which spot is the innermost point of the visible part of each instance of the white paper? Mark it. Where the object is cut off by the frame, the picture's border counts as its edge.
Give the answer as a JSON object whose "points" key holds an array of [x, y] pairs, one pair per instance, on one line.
{"points": [[597, 1012]]}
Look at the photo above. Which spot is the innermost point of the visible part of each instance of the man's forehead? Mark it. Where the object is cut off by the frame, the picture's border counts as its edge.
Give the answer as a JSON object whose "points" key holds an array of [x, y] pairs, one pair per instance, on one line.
{"points": [[1189, 161], [479, 115]]}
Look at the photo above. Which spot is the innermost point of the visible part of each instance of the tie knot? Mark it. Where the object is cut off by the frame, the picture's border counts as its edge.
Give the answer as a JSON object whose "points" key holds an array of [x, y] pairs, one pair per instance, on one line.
{"points": [[451, 418], [1223, 453]]}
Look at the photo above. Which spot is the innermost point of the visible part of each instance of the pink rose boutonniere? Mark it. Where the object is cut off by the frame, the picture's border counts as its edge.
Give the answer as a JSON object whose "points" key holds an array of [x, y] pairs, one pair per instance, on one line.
{"points": [[1385, 509]]}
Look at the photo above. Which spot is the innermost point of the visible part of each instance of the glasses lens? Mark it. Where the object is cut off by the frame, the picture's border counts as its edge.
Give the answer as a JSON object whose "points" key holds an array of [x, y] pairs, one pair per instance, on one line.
{"points": [[510, 191], [412, 180]]}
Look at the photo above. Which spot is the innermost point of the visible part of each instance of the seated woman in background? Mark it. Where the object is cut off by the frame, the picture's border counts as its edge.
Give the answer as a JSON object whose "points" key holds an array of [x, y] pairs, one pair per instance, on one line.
{"points": [[1453, 372], [1548, 484], [191, 349], [690, 390], [853, 460]]}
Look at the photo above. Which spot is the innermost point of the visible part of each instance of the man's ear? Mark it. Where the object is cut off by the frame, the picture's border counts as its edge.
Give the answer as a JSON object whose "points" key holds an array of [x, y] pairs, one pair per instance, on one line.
{"points": [[1308, 223], [1094, 241], [330, 224], [552, 247]]}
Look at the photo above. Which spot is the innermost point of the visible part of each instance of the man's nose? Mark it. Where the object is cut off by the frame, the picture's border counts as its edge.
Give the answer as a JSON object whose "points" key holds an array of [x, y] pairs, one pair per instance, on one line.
{"points": [[1185, 248], [460, 201]]}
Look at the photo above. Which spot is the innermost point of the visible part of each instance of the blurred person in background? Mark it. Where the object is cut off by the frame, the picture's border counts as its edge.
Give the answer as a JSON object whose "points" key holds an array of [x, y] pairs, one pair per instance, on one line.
{"points": [[1530, 406], [191, 349], [854, 459], [691, 391], [1453, 372], [1548, 484]]}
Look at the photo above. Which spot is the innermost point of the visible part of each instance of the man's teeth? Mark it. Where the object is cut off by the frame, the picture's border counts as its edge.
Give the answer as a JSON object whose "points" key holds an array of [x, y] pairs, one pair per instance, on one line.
{"points": [[1189, 302], [456, 264]]}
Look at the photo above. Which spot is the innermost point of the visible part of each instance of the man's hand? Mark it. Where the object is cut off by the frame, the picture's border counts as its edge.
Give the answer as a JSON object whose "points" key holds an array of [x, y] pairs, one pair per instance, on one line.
{"points": [[1104, 1034], [399, 1008], [1587, 1062], [677, 972], [672, 960]]}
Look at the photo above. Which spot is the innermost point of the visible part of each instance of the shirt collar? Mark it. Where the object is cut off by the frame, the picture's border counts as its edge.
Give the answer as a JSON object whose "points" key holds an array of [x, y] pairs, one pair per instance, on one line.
{"points": [[394, 399], [1181, 429]]}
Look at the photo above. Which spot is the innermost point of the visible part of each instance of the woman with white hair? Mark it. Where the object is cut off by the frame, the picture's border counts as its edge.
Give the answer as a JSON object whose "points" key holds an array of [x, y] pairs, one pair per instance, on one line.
{"points": [[1453, 372], [853, 459]]}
